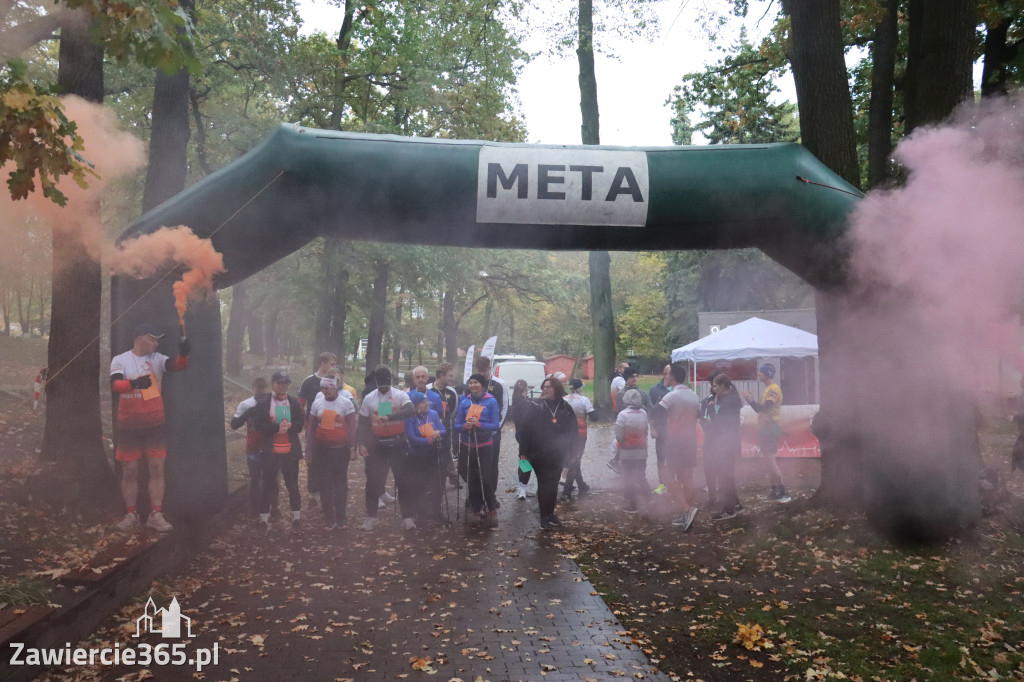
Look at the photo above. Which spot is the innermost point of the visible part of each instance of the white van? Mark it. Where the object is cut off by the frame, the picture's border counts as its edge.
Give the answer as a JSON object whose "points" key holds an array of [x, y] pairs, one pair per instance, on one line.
{"points": [[511, 371]]}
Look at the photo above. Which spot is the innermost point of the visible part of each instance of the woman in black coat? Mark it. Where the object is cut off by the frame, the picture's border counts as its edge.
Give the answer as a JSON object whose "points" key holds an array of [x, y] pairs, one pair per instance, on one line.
{"points": [[725, 420], [548, 432]]}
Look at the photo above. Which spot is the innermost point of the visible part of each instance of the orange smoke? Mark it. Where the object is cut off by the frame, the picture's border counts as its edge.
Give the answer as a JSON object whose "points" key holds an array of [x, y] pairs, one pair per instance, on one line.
{"points": [[145, 255], [112, 152]]}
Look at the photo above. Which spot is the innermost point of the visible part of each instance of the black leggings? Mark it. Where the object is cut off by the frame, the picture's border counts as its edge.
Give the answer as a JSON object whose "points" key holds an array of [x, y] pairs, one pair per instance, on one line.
{"points": [[575, 475], [478, 467], [288, 465], [332, 481], [381, 458], [549, 470]]}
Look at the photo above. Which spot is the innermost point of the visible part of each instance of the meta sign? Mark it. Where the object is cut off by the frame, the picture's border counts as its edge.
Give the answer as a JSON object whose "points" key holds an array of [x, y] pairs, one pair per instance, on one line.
{"points": [[558, 186]]}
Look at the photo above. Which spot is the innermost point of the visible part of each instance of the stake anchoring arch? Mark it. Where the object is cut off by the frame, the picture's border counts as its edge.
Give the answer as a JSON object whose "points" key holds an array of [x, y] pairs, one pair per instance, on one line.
{"points": [[302, 183]]}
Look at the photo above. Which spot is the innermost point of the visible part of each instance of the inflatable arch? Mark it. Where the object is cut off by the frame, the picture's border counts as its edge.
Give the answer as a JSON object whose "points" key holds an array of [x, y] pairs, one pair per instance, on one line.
{"points": [[302, 183]]}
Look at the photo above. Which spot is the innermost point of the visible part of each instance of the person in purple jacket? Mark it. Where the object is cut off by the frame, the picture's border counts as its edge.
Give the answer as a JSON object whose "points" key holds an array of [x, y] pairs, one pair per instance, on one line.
{"points": [[476, 420], [424, 432]]}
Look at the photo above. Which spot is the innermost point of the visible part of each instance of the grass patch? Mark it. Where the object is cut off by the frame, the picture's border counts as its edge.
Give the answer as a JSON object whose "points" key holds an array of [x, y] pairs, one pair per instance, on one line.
{"points": [[23, 591]]}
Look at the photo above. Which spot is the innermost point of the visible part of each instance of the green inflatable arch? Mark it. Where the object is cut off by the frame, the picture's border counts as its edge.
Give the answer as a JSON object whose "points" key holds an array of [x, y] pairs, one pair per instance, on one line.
{"points": [[302, 183]]}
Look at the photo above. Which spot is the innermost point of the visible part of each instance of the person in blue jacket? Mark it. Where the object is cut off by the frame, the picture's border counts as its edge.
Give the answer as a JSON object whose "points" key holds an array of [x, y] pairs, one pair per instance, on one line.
{"points": [[476, 420], [424, 432]]}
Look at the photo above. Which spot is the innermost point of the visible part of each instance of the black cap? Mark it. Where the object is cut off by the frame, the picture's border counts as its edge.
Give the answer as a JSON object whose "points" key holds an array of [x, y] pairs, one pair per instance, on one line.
{"points": [[280, 377], [146, 329]]}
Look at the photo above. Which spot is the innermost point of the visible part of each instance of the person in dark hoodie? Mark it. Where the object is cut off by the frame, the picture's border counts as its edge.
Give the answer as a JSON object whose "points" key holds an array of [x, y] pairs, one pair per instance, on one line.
{"points": [[424, 431], [279, 420], [477, 419], [725, 418], [549, 434]]}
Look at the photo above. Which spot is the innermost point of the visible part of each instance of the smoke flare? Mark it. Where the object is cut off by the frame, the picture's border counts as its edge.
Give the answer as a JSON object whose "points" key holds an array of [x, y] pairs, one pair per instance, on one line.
{"points": [[143, 256]]}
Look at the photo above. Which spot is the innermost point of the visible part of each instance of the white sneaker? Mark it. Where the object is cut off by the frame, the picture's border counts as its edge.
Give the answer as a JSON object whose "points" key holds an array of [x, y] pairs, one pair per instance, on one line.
{"points": [[157, 522], [370, 523], [522, 492], [387, 497], [408, 524], [129, 523], [381, 504]]}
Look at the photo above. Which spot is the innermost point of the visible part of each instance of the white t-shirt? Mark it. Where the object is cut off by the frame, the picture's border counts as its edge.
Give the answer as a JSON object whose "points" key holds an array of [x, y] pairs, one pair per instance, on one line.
{"points": [[618, 383], [683, 406], [245, 406], [342, 405], [580, 404], [372, 401], [342, 393], [133, 366]]}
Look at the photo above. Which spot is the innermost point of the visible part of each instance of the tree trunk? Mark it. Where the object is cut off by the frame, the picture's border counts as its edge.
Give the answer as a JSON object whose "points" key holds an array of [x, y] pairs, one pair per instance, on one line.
{"points": [[325, 306], [590, 128], [604, 326], [333, 306], [836, 427], [339, 315], [22, 322], [168, 142], [600, 261], [940, 59], [344, 42], [450, 327], [271, 347], [378, 312], [5, 301], [255, 326], [73, 434], [488, 312], [998, 55], [396, 341], [822, 89], [236, 329], [883, 78]]}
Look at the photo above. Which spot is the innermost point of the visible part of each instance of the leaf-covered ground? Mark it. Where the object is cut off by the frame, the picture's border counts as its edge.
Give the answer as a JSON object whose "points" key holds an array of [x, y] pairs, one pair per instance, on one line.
{"points": [[781, 592]]}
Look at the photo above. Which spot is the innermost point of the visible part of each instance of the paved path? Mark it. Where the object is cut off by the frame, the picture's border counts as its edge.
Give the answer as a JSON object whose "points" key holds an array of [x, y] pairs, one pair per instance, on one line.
{"points": [[471, 604]]}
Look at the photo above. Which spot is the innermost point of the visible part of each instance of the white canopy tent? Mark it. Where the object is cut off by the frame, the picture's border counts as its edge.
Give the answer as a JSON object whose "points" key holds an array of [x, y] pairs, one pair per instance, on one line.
{"points": [[753, 339], [749, 340]]}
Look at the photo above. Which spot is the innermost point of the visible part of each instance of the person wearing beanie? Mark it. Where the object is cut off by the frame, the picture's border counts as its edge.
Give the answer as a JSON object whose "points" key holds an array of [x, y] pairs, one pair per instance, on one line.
{"points": [[382, 443], [424, 432], [572, 474], [631, 430], [769, 429], [477, 419]]}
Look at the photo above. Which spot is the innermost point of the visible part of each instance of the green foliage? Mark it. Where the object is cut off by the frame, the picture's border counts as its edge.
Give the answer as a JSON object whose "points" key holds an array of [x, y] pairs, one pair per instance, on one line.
{"points": [[37, 137], [631, 19], [157, 33], [736, 96], [432, 70]]}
